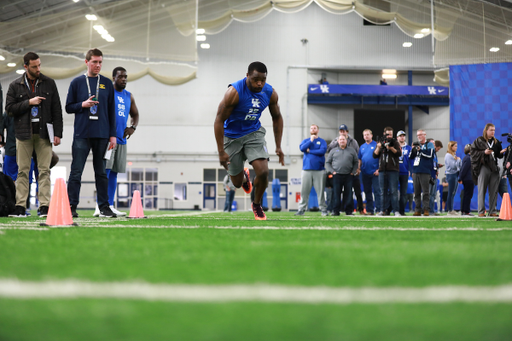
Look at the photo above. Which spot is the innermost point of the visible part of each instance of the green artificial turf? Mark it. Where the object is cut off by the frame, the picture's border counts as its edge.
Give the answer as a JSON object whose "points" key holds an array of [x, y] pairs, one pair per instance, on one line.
{"points": [[218, 248]]}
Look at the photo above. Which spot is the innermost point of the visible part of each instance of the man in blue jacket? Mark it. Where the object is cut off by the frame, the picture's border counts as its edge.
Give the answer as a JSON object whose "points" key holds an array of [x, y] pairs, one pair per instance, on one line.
{"points": [[91, 99], [313, 170], [369, 172]]}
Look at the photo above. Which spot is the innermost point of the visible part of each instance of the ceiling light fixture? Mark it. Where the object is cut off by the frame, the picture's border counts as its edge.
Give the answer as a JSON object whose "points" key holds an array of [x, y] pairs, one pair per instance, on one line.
{"points": [[20, 71], [205, 46], [494, 49], [200, 31], [508, 42], [425, 30], [389, 75], [419, 35], [2, 57], [104, 33], [201, 38], [11, 64], [91, 17], [75, 1], [389, 71], [407, 44]]}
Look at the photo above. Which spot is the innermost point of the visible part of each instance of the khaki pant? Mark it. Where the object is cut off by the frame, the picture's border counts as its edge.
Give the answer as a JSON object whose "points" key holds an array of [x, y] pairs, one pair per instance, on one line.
{"points": [[24, 150]]}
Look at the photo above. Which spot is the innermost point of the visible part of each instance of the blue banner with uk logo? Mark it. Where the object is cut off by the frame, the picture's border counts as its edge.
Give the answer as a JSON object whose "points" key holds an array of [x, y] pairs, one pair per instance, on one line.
{"points": [[381, 90]]}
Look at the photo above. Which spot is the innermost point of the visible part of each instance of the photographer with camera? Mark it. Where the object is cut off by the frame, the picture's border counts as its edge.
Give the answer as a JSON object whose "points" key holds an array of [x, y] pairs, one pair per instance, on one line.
{"points": [[423, 164], [388, 152], [485, 152]]}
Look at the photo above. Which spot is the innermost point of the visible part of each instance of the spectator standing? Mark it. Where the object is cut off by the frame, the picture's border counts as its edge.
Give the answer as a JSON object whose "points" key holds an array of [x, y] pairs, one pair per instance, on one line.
{"points": [[342, 162], [356, 184], [423, 156], [453, 164], [33, 100], [313, 170], [91, 99], [388, 152], [466, 179], [434, 181], [485, 151], [369, 167], [404, 173]]}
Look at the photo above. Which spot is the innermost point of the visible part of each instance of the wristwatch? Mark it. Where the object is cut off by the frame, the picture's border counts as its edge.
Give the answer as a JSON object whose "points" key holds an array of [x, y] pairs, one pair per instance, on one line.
{"points": [[133, 127]]}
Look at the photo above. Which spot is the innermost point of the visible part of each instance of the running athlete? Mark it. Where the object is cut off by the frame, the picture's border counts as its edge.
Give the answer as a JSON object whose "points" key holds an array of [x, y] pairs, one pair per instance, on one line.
{"points": [[241, 137]]}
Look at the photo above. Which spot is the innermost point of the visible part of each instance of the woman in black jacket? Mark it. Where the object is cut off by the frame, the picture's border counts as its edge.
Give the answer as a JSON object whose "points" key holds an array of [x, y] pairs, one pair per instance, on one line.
{"points": [[466, 179]]}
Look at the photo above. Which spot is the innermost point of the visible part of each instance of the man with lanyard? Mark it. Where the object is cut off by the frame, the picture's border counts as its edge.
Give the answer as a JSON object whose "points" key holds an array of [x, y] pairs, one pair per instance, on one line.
{"points": [[241, 137], [403, 177], [125, 103], [423, 156], [434, 181], [91, 99], [33, 101]]}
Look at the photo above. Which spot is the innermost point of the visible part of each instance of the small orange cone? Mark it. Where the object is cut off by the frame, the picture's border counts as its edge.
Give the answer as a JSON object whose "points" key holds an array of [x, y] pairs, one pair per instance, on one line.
{"points": [[59, 212], [136, 210], [506, 208]]}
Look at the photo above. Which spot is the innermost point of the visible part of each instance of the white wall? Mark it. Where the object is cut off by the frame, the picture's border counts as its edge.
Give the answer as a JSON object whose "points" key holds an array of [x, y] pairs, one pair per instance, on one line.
{"points": [[176, 122]]}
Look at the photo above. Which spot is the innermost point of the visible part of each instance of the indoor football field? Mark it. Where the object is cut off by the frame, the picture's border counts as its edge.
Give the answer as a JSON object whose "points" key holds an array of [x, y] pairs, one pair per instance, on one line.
{"points": [[190, 275]]}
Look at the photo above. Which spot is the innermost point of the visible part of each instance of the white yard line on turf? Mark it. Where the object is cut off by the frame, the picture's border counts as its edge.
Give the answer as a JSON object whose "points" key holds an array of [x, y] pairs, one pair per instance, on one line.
{"points": [[66, 289]]}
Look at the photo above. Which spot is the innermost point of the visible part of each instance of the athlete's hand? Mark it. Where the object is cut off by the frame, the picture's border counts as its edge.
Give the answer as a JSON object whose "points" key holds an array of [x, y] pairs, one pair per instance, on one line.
{"points": [[280, 153], [224, 159], [128, 131]]}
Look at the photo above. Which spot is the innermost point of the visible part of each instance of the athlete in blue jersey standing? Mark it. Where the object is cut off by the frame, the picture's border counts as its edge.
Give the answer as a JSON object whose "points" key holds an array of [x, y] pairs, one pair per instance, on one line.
{"points": [[125, 105], [241, 137]]}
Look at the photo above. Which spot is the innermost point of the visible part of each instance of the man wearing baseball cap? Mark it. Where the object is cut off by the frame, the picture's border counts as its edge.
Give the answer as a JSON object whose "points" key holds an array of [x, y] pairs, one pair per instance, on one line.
{"points": [[405, 165], [356, 183]]}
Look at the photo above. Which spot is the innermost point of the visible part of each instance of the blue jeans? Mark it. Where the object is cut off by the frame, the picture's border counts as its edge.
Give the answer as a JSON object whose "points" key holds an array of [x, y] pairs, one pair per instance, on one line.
{"points": [[403, 179], [452, 189], [80, 151], [433, 195], [229, 200], [388, 183], [369, 181], [329, 201], [342, 182]]}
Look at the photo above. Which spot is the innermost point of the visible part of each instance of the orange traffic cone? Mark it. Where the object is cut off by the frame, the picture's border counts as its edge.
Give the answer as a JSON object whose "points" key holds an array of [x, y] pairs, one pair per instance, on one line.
{"points": [[136, 210], [506, 208], [59, 213]]}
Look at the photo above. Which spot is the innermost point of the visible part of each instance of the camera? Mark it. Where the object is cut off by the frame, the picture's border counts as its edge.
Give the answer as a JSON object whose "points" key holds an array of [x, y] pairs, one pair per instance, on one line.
{"points": [[387, 141], [509, 137], [415, 145]]}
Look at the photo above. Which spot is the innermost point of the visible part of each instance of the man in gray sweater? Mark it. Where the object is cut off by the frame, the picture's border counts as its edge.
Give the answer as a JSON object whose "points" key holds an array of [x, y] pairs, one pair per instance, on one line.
{"points": [[342, 162]]}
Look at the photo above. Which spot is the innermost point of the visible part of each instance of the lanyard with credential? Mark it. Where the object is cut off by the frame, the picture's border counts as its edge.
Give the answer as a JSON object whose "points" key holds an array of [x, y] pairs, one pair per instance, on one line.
{"points": [[94, 109], [34, 110]]}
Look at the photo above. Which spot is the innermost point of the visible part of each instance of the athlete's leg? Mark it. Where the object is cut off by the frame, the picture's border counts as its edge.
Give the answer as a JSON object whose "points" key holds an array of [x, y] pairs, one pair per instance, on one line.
{"points": [[261, 180], [238, 179]]}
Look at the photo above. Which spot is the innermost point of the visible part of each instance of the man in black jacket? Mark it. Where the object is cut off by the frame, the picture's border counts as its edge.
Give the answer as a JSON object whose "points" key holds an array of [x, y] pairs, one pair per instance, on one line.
{"points": [[33, 100]]}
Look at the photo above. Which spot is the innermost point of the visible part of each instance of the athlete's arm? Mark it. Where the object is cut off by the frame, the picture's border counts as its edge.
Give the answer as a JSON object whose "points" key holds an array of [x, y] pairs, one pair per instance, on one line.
{"points": [[225, 109], [134, 114], [277, 122]]}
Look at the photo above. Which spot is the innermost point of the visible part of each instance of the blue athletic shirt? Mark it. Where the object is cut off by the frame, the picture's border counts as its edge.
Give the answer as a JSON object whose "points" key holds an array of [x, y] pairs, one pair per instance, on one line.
{"points": [[368, 164], [123, 104], [404, 160], [245, 118]]}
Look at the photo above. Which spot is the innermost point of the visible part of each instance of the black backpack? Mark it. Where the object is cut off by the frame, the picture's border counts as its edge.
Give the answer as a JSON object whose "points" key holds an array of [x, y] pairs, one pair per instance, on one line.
{"points": [[7, 195]]}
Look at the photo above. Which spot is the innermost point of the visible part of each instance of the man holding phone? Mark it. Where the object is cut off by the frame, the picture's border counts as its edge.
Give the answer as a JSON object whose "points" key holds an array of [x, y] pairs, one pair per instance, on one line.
{"points": [[33, 101]]}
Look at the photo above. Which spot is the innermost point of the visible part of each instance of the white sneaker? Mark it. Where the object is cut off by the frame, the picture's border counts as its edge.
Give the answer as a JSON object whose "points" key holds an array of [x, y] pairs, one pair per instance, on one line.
{"points": [[452, 213], [96, 211], [397, 214], [117, 213]]}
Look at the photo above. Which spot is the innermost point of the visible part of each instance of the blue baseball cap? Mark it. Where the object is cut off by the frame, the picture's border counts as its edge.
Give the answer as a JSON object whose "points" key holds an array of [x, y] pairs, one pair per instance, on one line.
{"points": [[343, 127]]}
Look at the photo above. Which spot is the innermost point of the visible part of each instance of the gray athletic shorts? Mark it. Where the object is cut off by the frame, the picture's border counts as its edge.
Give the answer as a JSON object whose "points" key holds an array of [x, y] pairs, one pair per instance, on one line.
{"points": [[249, 147], [117, 162]]}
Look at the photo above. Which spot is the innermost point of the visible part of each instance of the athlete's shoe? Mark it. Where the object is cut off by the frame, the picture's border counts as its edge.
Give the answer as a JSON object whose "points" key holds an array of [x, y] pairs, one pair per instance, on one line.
{"points": [[247, 186], [116, 212], [258, 212]]}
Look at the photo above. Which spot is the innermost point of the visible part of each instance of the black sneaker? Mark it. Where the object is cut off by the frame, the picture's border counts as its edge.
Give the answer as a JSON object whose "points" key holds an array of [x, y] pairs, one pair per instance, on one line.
{"points": [[73, 211], [106, 212], [19, 212], [42, 211]]}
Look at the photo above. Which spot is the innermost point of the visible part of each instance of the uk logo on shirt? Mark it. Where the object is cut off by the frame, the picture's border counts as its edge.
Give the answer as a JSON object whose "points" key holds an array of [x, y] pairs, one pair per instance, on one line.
{"points": [[121, 106]]}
